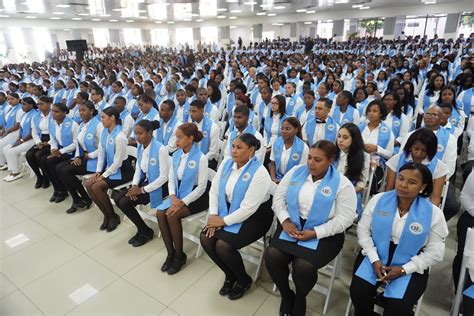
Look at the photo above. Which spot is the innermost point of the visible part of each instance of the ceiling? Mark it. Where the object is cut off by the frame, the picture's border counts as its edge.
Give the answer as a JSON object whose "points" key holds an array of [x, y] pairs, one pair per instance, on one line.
{"points": [[170, 11]]}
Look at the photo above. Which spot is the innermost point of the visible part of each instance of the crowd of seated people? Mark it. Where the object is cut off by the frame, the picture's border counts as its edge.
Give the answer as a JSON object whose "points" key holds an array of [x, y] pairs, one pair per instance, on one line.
{"points": [[299, 134]]}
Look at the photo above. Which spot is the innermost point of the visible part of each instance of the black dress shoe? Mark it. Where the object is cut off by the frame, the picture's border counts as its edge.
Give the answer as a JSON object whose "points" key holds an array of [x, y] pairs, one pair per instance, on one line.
{"points": [[79, 204], [54, 197], [177, 264], [105, 224], [143, 238], [132, 240], [71, 210], [226, 287], [88, 204], [39, 183], [61, 197], [167, 264], [46, 183], [114, 221], [239, 290]]}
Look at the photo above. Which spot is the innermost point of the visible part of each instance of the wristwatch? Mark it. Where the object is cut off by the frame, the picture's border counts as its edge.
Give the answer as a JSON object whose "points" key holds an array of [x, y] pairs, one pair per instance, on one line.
{"points": [[142, 190], [403, 271]]}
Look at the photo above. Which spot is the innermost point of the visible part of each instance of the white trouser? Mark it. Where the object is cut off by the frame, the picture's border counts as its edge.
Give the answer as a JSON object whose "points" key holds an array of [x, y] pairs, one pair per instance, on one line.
{"points": [[7, 140], [13, 154]]}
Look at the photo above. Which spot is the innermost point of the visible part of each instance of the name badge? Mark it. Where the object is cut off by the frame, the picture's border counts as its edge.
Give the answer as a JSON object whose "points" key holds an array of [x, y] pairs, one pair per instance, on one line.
{"points": [[326, 191], [416, 228], [382, 213], [192, 164], [246, 177], [295, 157]]}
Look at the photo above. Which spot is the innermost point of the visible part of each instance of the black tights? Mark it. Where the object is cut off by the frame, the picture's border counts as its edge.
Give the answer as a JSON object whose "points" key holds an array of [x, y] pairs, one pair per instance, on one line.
{"points": [[33, 156], [127, 206], [98, 192], [305, 276], [226, 257], [172, 230]]}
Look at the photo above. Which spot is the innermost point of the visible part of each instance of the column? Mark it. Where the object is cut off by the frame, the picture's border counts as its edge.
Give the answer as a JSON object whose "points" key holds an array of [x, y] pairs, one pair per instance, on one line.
{"points": [[399, 26], [451, 28], [293, 32], [352, 28], [75, 34], [338, 29], [196, 36], [172, 34], [114, 37], [257, 32], [389, 28], [146, 37], [223, 36], [312, 31]]}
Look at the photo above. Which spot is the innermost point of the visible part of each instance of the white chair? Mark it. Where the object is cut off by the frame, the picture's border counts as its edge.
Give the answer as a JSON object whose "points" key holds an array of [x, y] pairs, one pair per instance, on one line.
{"points": [[444, 194], [466, 265], [379, 309], [332, 270], [24, 164], [222, 144]]}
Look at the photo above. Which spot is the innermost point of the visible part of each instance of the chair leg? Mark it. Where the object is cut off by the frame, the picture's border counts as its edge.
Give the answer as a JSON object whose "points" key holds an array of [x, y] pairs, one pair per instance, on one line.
{"points": [[331, 282], [349, 307]]}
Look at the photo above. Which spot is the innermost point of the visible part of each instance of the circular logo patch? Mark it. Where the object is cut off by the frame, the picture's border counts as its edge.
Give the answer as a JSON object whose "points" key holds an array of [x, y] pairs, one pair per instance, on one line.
{"points": [[192, 164], [384, 129], [89, 136], [440, 147], [331, 127], [396, 123], [344, 121], [453, 121], [204, 133], [295, 157], [67, 124], [416, 228], [111, 141], [326, 191], [153, 161], [246, 177], [168, 129]]}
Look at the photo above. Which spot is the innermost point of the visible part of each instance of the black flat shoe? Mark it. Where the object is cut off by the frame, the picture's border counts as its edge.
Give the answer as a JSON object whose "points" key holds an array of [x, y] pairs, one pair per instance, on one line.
{"points": [[105, 223], [113, 223], [54, 197], [143, 239], [39, 183], [88, 204], [132, 240], [80, 204], [177, 264], [239, 290], [167, 264], [46, 183], [71, 210], [61, 197], [226, 287]]}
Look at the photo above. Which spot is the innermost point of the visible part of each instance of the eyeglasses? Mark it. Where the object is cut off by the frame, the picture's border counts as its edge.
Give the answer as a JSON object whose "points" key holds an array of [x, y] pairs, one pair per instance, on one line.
{"points": [[431, 114]]}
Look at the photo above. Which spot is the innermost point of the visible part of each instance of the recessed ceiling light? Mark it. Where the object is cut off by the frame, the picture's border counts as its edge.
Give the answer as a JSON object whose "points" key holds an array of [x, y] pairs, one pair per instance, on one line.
{"points": [[231, 1], [83, 14], [221, 16], [158, 22], [232, 17], [311, 11], [301, 10], [30, 17], [309, 22], [120, 9], [235, 11], [261, 13], [364, 8], [355, 6], [95, 20], [232, 26], [170, 22], [113, 20], [277, 24], [76, 19], [279, 7], [271, 14], [129, 21], [66, 29], [142, 11], [194, 14], [187, 20], [430, 1], [4, 16], [266, 5], [55, 18], [58, 13], [62, 6], [105, 15], [142, 17], [199, 20], [250, 2], [221, 10]]}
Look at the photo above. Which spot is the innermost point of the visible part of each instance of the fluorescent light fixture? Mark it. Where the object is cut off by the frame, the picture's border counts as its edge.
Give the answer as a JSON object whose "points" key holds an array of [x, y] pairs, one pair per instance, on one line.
{"points": [[55, 18], [142, 11], [301, 10], [24, 3], [311, 11], [356, 6], [142, 17], [364, 8], [277, 24], [66, 29], [129, 21], [170, 22], [194, 14], [62, 6], [266, 5], [117, 10], [221, 17], [4, 16], [235, 11], [250, 2], [430, 2], [231, 1], [95, 20], [271, 14], [199, 20], [113, 20], [82, 294], [308, 22], [58, 13], [30, 17], [232, 17], [76, 19], [158, 22], [1, 10], [187, 20], [105, 15], [261, 13], [279, 7], [221, 10], [232, 26], [16, 240], [83, 14]]}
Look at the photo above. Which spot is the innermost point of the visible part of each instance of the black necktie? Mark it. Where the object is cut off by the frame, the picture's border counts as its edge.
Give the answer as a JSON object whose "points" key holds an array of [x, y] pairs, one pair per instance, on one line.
{"points": [[318, 121]]}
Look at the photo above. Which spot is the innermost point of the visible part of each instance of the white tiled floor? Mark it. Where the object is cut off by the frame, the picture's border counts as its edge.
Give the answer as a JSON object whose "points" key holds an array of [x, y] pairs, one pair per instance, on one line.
{"points": [[53, 263]]}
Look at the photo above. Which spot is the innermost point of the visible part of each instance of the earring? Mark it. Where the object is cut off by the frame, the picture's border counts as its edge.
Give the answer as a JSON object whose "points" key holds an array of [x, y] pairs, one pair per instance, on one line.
{"points": [[421, 191]]}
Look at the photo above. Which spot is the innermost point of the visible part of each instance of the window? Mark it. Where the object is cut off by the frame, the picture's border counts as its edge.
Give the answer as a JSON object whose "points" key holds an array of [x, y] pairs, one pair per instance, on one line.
{"points": [[43, 42], [435, 24], [208, 7], [370, 27], [3, 49], [428, 25], [345, 32], [101, 37], [324, 29], [160, 37], [209, 34], [269, 34], [18, 40], [132, 36], [158, 11], [466, 24], [184, 35]]}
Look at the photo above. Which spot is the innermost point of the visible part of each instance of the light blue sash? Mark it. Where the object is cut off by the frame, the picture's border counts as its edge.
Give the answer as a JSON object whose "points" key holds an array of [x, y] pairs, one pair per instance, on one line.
{"points": [[330, 130], [28, 122], [66, 131], [296, 154], [402, 160], [443, 137], [89, 138], [384, 134], [153, 172], [233, 135], [347, 117], [109, 149], [169, 131], [11, 120], [205, 143], [466, 101]]}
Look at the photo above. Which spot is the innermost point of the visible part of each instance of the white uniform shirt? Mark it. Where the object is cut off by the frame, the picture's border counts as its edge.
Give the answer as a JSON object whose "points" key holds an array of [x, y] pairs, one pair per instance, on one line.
{"points": [[43, 126], [213, 152], [364, 177], [440, 171], [285, 156], [200, 183], [80, 140], [371, 137], [119, 156], [467, 195], [164, 161], [55, 143]]}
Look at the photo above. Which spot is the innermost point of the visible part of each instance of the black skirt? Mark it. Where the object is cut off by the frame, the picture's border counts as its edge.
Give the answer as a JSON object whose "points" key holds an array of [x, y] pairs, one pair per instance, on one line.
{"points": [[328, 248], [252, 229], [127, 175], [202, 203]]}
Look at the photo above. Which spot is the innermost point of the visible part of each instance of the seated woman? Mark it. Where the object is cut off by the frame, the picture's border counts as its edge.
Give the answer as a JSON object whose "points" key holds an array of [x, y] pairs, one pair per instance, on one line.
{"points": [[289, 150], [149, 180], [273, 121], [62, 132], [239, 213], [314, 204], [421, 147], [40, 134], [11, 129], [85, 158], [402, 235], [114, 160], [148, 111], [396, 120], [24, 142], [188, 194], [353, 161]]}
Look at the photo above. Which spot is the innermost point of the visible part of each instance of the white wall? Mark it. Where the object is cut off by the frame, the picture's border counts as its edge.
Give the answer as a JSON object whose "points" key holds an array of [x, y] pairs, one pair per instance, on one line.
{"points": [[243, 31]]}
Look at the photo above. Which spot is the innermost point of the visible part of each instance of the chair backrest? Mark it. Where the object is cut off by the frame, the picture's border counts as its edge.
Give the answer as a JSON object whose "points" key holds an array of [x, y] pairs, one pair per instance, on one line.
{"points": [[366, 193], [444, 194], [210, 174], [132, 151]]}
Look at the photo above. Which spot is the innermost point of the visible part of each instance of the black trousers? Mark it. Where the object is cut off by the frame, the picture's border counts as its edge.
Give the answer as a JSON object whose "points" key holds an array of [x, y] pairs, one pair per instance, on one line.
{"points": [[127, 206], [48, 166], [33, 157], [465, 221], [212, 164], [67, 176], [451, 207], [364, 294]]}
